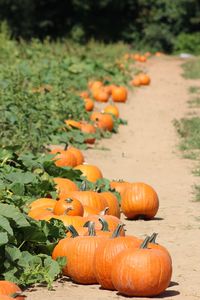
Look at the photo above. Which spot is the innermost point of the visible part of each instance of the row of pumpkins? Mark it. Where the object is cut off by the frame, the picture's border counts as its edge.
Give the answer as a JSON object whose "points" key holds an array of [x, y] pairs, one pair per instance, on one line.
{"points": [[96, 247]]}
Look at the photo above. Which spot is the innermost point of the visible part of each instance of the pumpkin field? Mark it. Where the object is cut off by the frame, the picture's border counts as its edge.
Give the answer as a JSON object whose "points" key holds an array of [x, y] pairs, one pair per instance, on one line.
{"points": [[99, 152]]}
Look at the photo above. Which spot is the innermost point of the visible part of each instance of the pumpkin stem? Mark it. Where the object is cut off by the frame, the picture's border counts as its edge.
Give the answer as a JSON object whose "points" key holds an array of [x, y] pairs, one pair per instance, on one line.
{"points": [[104, 224], [145, 243], [104, 212], [68, 209], [17, 294], [69, 200], [87, 224], [91, 229], [66, 146], [83, 186], [152, 238], [72, 230], [117, 231]]}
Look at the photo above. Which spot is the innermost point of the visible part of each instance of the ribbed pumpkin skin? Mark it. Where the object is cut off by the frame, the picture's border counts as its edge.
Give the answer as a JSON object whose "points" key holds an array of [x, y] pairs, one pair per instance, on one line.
{"points": [[76, 221], [62, 249], [77, 153], [9, 288], [89, 198], [76, 208], [140, 199], [81, 259], [64, 159], [91, 172], [43, 202], [40, 211], [105, 255], [88, 211], [141, 272], [113, 204], [64, 185], [119, 186]]}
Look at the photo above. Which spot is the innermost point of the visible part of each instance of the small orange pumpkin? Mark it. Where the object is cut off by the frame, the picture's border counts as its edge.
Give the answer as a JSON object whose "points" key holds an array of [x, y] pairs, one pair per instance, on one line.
{"points": [[77, 153], [119, 94], [142, 58], [88, 128], [89, 104], [136, 81], [144, 79], [102, 120], [71, 205], [112, 109], [73, 123], [101, 95], [63, 158], [91, 172]]}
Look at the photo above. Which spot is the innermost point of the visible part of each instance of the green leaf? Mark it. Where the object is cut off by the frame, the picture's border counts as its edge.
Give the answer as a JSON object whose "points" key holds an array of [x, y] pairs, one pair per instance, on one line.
{"points": [[13, 213], [12, 253], [3, 238], [4, 223]]}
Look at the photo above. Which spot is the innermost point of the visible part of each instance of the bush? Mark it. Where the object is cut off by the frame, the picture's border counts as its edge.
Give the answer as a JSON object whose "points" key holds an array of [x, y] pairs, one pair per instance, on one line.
{"points": [[186, 42]]}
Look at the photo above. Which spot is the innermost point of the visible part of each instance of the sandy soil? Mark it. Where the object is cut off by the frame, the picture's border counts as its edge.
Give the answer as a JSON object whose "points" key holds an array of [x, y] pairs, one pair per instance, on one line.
{"points": [[146, 150]]}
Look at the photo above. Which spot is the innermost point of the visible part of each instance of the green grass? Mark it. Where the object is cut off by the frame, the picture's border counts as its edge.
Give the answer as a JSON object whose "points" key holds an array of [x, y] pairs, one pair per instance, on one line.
{"points": [[188, 128], [192, 69]]}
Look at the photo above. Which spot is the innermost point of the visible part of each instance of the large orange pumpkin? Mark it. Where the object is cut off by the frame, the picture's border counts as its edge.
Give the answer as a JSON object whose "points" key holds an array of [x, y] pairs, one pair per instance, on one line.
{"points": [[139, 200], [119, 185], [144, 272], [105, 255], [91, 172], [42, 202], [119, 94]]}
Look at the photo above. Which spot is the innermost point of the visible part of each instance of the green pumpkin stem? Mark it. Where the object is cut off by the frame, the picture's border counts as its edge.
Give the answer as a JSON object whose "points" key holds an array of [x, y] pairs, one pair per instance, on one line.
{"points": [[72, 230], [117, 231], [17, 294], [104, 212], [152, 238], [91, 229], [83, 186], [69, 200], [104, 224], [66, 146], [145, 243]]}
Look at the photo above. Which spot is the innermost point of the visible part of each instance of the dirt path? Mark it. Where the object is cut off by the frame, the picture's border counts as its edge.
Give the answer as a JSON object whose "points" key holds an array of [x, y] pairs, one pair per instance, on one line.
{"points": [[146, 150]]}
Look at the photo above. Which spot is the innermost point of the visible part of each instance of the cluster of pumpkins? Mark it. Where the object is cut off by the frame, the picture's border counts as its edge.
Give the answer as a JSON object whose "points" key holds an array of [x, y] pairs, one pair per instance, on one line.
{"points": [[97, 248]]}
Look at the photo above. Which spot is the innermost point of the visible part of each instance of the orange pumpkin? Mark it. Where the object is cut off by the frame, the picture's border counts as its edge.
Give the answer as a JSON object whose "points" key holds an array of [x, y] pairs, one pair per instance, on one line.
{"points": [[101, 95], [64, 185], [106, 253], [7, 288], [120, 186], [42, 203], [80, 258], [144, 272], [88, 128], [136, 56], [142, 58], [89, 104], [144, 79], [136, 81], [113, 204], [72, 205], [95, 85], [139, 200], [91, 172], [73, 123], [40, 212], [119, 94], [76, 221], [63, 158], [112, 109], [88, 211], [102, 120], [77, 153], [90, 198]]}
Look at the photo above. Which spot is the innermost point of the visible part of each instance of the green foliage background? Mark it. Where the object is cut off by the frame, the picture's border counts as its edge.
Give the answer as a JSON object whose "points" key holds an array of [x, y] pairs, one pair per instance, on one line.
{"points": [[142, 22]]}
